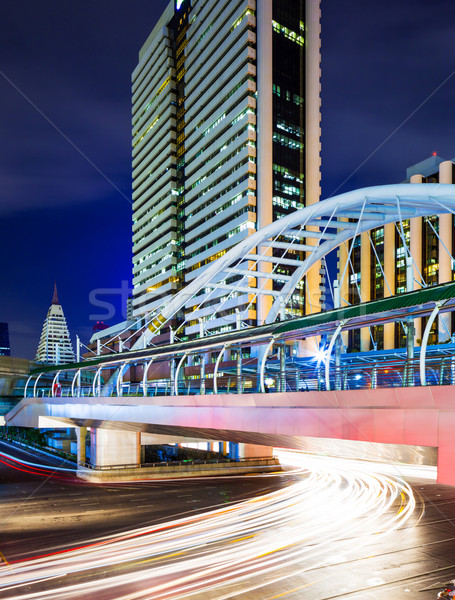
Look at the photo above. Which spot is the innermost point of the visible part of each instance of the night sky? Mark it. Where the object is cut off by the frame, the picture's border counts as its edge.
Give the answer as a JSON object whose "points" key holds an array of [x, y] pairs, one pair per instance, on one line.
{"points": [[65, 131]]}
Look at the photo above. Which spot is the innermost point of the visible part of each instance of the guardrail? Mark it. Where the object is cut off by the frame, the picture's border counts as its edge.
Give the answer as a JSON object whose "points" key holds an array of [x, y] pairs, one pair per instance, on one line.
{"points": [[177, 463], [295, 377]]}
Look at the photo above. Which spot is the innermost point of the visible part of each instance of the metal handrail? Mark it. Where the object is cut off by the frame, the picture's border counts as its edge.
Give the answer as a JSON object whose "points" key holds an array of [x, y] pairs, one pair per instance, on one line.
{"points": [[398, 372], [176, 463]]}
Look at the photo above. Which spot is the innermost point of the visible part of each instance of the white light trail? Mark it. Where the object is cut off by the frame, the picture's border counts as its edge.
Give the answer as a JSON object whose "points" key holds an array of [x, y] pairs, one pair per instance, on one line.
{"points": [[230, 551]]}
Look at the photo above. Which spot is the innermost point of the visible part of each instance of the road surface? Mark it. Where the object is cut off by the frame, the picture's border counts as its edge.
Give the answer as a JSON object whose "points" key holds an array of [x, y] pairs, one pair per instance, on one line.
{"points": [[329, 529]]}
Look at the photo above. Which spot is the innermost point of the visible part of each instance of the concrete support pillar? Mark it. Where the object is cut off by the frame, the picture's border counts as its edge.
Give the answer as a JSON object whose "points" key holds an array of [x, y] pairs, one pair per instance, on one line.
{"points": [[222, 447], [365, 286], [234, 451], [255, 451], [81, 434], [389, 273], [446, 448], [109, 447], [264, 142], [311, 91], [445, 247]]}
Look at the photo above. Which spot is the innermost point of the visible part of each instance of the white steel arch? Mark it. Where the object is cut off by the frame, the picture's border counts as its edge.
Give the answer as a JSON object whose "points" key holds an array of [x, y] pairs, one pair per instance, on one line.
{"points": [[313, 231]]}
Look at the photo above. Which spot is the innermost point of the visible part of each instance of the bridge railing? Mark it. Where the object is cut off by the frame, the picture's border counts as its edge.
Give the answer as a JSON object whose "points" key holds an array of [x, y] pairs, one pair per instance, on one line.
{"points": [[302, 377]]}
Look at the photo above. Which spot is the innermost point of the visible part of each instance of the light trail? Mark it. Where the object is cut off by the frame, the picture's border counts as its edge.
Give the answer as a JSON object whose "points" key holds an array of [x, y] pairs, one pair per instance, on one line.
{"points": [[230, 551]]}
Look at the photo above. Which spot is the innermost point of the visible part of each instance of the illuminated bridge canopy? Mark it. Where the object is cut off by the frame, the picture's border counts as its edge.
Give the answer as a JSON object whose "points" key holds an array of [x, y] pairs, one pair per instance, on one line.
{"points": [[419, 303], [253, 264]]}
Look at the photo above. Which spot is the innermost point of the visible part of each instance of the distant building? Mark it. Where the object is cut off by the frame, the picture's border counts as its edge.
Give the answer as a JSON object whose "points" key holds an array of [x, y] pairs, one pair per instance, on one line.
{"points": [[99, 326], [226, 139], [55, 346], [14, 373], [129, 308], [5, 348], [431, 243]]}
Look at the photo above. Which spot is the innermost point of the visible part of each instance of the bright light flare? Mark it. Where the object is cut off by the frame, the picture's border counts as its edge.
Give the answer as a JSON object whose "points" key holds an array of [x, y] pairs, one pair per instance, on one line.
{"points": [[320, 356]]}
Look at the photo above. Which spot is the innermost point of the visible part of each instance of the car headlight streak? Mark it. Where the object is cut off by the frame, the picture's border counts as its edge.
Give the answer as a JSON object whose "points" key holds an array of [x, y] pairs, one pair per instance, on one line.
{"points": [[248, 544]]}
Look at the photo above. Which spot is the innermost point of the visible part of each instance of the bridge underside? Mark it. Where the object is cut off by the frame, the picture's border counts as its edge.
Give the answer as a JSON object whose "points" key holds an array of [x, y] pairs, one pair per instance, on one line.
{"points": [[391, 424], [393, 453]]}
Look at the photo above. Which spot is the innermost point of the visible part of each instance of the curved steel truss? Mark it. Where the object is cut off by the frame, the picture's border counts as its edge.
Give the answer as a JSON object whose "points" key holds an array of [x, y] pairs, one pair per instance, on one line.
{"points": [[299, 241]]}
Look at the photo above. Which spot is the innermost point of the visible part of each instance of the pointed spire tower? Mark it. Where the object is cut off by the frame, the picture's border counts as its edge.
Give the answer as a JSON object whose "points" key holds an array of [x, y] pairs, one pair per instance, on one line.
{"points": [[55, 346]]}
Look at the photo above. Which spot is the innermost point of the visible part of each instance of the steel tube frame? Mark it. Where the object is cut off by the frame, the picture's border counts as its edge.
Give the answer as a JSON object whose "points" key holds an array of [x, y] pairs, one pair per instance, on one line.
{"points": [[263, 361], [329, 354], [78, 372], [97, 376], [215, 370], [144, 377], [36, 382], [177, 371], [119, 380], [54, 381], [423, 347], [26, 385], [372, 207]]}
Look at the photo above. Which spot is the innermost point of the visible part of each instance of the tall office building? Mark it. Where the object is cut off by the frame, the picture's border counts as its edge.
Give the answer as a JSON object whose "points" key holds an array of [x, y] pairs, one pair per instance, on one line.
{"points": [[55, 346], [226, 139], [378, 264]]}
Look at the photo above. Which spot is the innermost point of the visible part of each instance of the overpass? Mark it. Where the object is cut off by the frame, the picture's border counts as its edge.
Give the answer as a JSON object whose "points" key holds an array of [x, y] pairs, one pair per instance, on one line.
{"points": [[409, 424], [191, 380]]}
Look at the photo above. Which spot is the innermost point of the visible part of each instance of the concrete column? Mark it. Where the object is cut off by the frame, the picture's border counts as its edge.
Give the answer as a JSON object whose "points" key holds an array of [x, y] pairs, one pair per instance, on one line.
{"points": [[446, 447], [264, 140], [255, 451], [445, 262], [109, 447], [234, 451], [81, 434], [389, 273], [365, 286], [312, 94]]}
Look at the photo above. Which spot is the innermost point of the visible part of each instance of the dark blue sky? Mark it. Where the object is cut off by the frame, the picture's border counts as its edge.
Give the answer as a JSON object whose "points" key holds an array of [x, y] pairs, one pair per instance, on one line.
{"points": [[65, 118]]}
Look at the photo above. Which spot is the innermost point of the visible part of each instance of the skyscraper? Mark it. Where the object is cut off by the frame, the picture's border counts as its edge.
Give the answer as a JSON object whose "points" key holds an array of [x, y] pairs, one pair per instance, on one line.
{"points": [[55, 346], [226, 139], [377, 268]]}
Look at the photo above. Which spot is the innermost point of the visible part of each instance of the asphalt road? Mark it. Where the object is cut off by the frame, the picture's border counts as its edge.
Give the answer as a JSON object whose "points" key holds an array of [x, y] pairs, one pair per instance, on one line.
{"points": [[291, 536], [40, 514]]}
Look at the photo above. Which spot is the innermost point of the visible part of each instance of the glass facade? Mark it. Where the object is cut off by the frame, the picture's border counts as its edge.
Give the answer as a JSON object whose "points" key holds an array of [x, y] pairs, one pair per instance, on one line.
{"points": [[430, 240], [195, 150], [289, 123]]}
